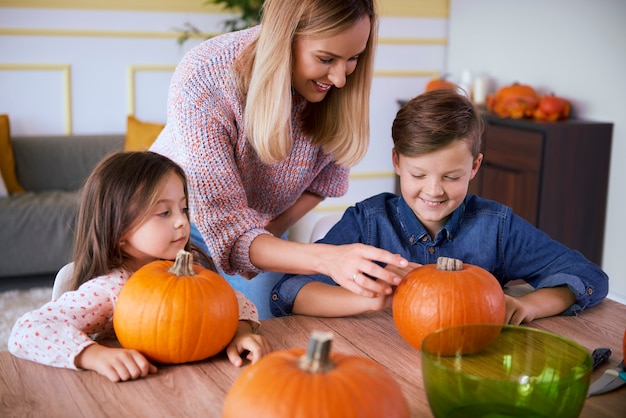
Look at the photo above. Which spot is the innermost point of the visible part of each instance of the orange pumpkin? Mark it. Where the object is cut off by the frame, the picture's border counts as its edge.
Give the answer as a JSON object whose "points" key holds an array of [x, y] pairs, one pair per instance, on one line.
{"points": [[445, 294], [176, 312], [552, 108], [515, 101], [292, 383], [440, 83]]}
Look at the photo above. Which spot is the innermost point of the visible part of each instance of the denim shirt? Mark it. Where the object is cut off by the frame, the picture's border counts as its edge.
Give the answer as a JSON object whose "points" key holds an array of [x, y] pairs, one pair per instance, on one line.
{"points": [[479, 232]]}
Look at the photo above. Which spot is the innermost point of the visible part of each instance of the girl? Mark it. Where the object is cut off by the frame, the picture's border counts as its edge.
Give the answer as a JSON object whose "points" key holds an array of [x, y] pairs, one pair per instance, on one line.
{"points": [[133, 211], [266, 123]]}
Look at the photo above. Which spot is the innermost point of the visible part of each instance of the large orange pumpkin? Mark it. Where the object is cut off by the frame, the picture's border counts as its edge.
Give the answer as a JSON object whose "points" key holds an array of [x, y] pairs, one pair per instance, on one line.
{"points": [[315, 384], [445, 294], [515, 101], [176, 312]]}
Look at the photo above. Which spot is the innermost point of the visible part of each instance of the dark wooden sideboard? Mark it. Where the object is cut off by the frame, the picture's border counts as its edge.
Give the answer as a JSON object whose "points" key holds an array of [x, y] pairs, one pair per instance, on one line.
{"points": [[553, 174]]}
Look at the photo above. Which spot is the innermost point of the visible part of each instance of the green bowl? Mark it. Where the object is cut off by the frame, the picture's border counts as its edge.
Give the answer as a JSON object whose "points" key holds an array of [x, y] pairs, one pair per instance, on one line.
{"points": [[504, 371]]}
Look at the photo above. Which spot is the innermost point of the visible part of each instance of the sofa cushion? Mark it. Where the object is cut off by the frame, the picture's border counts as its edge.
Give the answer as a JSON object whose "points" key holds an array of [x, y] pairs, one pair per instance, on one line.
{"points": [[7, 159], [60, 162], [40, 227], [140, 135]]}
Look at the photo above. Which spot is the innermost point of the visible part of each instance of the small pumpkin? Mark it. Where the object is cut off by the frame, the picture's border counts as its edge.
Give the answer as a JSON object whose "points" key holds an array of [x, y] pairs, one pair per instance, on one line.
{"points": [[313, 384], [176, 312], [445, 294], [440, 83], [552, 108], [515, 101]]}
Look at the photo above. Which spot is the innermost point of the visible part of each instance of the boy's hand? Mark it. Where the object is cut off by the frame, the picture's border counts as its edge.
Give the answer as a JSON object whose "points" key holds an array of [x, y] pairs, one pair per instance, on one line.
{"points": [[541, 303], [245, 340], [117, 364]]}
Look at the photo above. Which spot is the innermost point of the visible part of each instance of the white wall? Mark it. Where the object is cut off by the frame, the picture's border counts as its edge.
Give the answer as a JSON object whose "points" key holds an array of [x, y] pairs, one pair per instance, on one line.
{"points": [[83, 71], [575, 48]]}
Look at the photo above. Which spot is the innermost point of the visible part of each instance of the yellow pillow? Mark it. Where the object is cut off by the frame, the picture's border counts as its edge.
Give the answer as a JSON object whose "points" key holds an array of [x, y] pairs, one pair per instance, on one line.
{"points": [[140, 135], [7, 160]]}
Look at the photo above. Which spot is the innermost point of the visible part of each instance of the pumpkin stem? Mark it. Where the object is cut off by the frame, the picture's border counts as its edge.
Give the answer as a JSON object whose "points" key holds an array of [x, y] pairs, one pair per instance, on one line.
{"points": [[449, 264], [316, 359], [183, 265]]}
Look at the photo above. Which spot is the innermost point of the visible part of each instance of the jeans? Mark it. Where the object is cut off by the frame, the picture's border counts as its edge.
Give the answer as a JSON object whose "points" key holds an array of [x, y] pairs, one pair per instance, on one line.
{"points": [[257, 289]]}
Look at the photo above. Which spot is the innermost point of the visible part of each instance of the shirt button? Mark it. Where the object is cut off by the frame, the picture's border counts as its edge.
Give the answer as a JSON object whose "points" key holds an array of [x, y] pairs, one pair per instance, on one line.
{"points": [[411, 240], [431, 250], [424, 238], [590, 291], [274, 296]]}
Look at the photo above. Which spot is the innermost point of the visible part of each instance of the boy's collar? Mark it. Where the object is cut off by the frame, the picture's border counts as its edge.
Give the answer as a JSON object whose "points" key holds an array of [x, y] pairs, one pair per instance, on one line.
{"points": [[417, 231]]}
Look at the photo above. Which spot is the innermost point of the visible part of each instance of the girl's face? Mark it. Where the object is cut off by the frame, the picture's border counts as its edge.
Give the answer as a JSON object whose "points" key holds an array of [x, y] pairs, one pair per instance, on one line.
{"points": [[164, 231], [320, 64], [435, 184]]}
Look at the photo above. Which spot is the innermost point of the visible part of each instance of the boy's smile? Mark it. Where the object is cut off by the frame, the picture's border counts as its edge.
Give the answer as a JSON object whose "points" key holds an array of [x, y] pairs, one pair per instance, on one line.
{"points": [[436, 183]]}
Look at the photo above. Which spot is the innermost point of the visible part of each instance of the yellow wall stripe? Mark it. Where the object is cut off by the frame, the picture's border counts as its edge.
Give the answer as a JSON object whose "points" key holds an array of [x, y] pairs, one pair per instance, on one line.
{"points": [[96, 33], [67, 85], [132, 70], [174, 34], [407, 73], [401, 8]]}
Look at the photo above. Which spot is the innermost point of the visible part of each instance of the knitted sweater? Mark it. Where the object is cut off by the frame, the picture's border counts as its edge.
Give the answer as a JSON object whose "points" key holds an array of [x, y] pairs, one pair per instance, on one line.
{"points": [[233, 195]]}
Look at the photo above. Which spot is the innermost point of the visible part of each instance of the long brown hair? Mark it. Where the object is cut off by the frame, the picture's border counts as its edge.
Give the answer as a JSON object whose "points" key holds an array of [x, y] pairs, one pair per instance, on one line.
{"points": [[117, 196], [340, 122]]}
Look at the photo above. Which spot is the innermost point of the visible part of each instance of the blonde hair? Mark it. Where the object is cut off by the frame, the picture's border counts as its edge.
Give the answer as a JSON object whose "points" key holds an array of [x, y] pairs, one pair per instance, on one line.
{"points": [[340, 122]]}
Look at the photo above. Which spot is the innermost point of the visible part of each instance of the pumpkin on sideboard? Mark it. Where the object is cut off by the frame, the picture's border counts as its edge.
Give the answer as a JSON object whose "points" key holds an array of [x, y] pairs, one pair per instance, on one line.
{"points": [[446, 294], [440, 83], [515, 101], [315, 384], [176, 312], [552, 108]]}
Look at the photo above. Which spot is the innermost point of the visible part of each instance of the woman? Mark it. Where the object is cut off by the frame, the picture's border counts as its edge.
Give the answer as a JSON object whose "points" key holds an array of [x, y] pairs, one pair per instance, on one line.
{"points": [[266, 123]]}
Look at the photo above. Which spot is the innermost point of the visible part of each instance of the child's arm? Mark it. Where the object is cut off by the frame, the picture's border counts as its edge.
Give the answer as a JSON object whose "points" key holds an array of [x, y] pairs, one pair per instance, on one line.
{"points": [[117, 364], [246, 340], [321, 299], [541, 303]]}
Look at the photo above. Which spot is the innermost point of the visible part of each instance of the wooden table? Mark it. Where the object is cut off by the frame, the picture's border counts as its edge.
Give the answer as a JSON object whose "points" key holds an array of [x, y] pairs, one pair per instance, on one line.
{"points": [[198, 389]]}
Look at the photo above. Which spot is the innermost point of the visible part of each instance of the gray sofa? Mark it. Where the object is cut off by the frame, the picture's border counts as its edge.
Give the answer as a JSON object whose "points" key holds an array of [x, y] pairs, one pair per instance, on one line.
{"points": [[37, 227]]}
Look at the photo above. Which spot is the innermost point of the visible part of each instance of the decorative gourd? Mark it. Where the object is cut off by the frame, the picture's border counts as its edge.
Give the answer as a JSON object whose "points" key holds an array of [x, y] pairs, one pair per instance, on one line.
{"points": [[292, 383], [445, 294], [176, 312], [440, 83], [515, 101], [552, 108]]}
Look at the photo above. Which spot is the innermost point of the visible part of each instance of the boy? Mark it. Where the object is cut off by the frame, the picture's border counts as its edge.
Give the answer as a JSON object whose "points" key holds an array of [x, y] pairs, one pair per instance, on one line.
{"points": [[437, 142]]}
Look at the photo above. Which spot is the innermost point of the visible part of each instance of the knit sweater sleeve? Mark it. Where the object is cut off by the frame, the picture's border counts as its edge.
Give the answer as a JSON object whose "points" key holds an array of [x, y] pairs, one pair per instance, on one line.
{"points": [[61, 329]]}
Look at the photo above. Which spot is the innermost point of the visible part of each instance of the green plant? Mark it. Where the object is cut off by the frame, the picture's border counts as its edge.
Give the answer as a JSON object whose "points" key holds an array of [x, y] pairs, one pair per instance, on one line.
{"points": [[249, 15]]}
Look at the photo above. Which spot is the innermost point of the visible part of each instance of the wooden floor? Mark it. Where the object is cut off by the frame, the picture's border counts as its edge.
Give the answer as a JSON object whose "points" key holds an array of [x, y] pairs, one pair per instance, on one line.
{"points": [[25, 282]]}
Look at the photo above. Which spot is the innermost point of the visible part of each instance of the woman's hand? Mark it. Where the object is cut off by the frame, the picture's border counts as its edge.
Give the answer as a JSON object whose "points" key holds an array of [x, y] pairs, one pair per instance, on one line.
{"points": [[403, 271], [255, 345], [352, 266], [117, 364]]}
